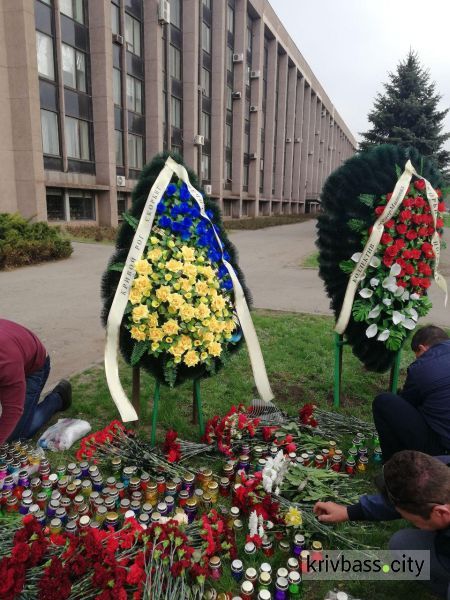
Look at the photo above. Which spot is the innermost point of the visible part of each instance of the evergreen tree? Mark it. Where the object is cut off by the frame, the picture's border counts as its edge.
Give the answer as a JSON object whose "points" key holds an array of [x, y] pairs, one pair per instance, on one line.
{"points": [[407, 113]]}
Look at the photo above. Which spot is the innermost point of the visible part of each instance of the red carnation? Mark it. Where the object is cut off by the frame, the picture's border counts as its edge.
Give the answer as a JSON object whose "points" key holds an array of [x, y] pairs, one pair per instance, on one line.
{"points": [[391, 251], [442, 207], [379, 210], [439, 223], [388, 196], [386, 238], [135, 575], [411, 234], [388, 261], [419, 184], [409, 269], [408, 202], [417, 219], [422, 232], [401, 228], [415, 254], [389, 224], [401, 283], [419, 202], [415, 281], [399, 243], [405, 215], [424, 283]]}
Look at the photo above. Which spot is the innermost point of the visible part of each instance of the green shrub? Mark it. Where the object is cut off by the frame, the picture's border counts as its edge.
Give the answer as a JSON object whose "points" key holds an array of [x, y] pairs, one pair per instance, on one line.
{"points": [[91, 232], [24, 243]]}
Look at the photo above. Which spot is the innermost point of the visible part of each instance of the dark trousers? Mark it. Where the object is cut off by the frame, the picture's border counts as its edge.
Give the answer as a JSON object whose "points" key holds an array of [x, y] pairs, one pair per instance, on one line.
{"points": [[35, 413], [416, 539], [401, 426]]}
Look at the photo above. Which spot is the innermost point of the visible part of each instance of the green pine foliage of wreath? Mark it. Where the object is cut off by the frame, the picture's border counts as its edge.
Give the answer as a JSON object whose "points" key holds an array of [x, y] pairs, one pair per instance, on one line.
{"points": [[136, 353], [348, 200]]}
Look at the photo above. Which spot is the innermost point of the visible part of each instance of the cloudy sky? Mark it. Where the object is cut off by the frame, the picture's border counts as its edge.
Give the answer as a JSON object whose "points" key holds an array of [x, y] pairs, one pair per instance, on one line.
{"points": [[352, 44]]}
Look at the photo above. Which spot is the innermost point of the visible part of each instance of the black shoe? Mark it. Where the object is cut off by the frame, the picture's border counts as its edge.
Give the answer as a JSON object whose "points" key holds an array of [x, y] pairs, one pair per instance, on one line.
{"points": [[64, 389]]}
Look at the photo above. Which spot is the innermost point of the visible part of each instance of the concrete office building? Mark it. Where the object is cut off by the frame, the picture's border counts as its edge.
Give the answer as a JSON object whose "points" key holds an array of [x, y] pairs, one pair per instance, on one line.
{"points": [[90, 90]]}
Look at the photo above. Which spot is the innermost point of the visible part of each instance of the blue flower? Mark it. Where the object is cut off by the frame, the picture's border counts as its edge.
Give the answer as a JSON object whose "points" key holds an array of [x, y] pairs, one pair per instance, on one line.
{"points": [[223, 271], [184, 192], [226, 256], [171, 189], [227, 284], [165, 222], [187, 222], [177, 227], [175, 212], [160, 208], [184, 208], [185, 235], [209, 214], [201, 228], [195, 212], [213, 255]]}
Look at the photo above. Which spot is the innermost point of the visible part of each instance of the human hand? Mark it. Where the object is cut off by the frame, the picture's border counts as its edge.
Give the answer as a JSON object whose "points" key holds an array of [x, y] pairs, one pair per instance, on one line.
{"points": [[330, 512]]}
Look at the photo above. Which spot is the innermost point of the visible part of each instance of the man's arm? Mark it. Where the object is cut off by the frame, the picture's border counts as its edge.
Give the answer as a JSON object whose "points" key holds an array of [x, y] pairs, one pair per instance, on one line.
{"points": [[411, 391], [369, 508]]}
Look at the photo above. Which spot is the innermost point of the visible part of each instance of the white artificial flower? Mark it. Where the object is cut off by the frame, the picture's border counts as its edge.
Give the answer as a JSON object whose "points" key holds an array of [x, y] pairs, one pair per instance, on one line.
{"points": [[356, 257], [372, 330], [253, 523], [267, 484], [375, 262], [390, 284], [375, 312], [374, 282], [384, 335], [397, 317], [387, 301], [413, 313], [414, 296], [398, 293], [395, 270], [365, 293], [409, 324], [405, 296]]}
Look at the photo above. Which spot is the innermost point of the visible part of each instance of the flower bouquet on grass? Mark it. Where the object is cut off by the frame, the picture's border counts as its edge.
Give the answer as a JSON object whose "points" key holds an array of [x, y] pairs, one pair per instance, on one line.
{"points": [[180, 322], [391, 295]]}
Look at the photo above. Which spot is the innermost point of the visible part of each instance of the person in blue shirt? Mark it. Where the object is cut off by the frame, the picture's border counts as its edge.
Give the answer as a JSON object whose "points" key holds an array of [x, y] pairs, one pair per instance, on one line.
{"points": [[419, 418], [416, 487]]}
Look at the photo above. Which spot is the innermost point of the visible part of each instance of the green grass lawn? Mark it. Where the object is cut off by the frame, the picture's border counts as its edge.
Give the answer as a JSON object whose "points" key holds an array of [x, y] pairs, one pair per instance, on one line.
{"points": [[311, 261], [298, 351]]}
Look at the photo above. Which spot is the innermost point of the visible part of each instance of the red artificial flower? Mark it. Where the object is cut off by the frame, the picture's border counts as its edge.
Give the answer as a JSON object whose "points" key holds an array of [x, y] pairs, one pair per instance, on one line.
{"points": [[389, 224], [419, 184], [401, 283], [419, 202], [386, 238], [391, 251], [401, 228], [409, 269], [20, 552], [439, 223], [424, 283], [441, 206], [405, 215], [415, 281], [388, 196], [411, 234], [408, 202], [422, 231], [427, 250], [415, 254], [388, 261], [135, 575], [379, 210]]}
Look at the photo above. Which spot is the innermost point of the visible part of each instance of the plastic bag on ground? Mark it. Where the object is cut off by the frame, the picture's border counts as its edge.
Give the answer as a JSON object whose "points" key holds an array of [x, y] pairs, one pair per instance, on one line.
{"points": [[63, 434]]}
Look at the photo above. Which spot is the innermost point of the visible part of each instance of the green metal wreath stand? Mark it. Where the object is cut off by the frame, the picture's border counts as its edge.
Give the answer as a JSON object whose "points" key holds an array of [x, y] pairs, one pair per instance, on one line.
{"points": [[339, 344], [197, 411]]}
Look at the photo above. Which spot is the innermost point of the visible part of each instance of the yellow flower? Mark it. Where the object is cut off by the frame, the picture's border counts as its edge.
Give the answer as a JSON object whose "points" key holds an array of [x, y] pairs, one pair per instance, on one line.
{"points": [[139, 312], [188, 253], [136, 334], [214, 325], [185, 342], [171, 244], [177, 286], [155, 346], [177, 360], [153, 319], [209, 272], [293, 517], [169, 340], [202, 311], [218, 303], [176, 350], [190, 270], [201, 287], [188, 295], [171, 327], [135, 296], [185, 284], [197, 343], [191, 358], [187, 312], [230, 326], [154, 240], [163, 293], [208, 337], [215, 349], [155, 303], [143, 267], [174, 265], [155, 334], [203, 356], [176, 301], [142, 283], [168, 277]]}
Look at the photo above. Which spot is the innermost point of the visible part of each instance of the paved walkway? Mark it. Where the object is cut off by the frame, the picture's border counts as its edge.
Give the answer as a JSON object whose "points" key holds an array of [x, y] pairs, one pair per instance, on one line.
{"points": [[61, 301]]}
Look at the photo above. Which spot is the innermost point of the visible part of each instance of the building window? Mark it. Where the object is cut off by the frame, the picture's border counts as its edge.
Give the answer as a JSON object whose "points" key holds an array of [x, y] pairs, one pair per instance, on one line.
{"points": [[207, 3], [229, 59], [206, 125], [134, 94], [121, 204], [81, 206], [50, 133], [135, 151], [175, 62], [55, 205], [230, 18], [245, 175], [229, 94], [175, 13], [77, 138], [228, 135], [206, 38], [44, 47], [133, 35], [74, 68], [206, 167], [175, 105], [72, 9], [249, 39], [228, 171], [206, 82], [119, 147], [115, 19], [117, 87], [247, 74]]}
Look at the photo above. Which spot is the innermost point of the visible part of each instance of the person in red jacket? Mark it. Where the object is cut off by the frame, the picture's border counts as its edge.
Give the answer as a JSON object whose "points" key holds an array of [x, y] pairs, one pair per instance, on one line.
{"points": [[24, 369]]}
